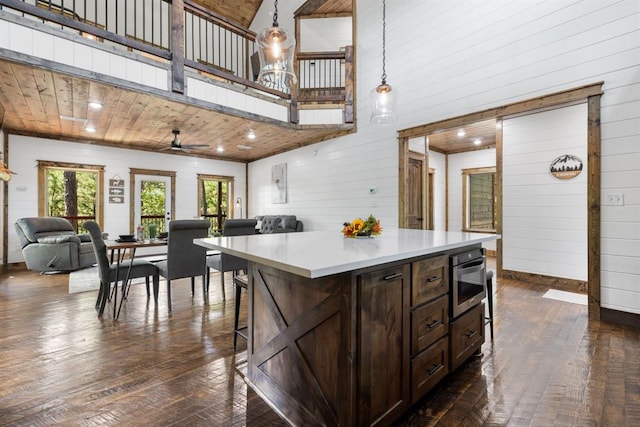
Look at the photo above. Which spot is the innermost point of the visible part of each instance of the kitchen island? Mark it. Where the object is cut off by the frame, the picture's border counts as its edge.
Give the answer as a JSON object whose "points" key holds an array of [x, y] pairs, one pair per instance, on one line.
{"points": [[350, 331]]}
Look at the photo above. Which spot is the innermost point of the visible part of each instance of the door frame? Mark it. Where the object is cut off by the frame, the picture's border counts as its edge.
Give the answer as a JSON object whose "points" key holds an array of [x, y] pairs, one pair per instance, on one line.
{"points": [[590, 94], [133, 175]]}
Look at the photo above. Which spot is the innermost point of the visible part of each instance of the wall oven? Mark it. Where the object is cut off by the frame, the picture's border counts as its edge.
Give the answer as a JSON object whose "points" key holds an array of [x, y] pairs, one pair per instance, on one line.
{"points": [[468, 280]]}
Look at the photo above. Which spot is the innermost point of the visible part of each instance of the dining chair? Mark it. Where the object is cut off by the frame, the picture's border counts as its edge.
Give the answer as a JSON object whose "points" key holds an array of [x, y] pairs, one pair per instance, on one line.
{"points": [[113, 272], [225, 262], [184, 258]]}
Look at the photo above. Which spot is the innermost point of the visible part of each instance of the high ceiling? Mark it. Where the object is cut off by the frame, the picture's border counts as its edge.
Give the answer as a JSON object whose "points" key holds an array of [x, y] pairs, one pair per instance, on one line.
{"points": [[54, 105], [48, 104], [238, 12]]}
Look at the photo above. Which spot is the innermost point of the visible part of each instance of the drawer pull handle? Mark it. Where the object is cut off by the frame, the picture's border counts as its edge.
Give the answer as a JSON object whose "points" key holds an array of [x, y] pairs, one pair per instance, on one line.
{"points": [[434, 324], [392, 276], [434, 369], [471, 334], [433, 279]]}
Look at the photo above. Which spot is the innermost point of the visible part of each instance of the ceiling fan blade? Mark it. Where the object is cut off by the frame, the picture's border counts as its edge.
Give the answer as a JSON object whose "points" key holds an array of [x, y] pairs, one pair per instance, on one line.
{"points": [[194, 145]]}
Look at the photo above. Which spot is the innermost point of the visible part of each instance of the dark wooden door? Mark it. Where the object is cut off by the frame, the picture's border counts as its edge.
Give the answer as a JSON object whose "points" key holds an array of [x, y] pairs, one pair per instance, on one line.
{"points": [[383, 356], [415, 170]]}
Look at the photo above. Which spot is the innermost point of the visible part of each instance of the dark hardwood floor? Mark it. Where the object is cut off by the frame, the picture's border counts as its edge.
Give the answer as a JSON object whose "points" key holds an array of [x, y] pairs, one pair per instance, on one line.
{"points": [[61, 365]]}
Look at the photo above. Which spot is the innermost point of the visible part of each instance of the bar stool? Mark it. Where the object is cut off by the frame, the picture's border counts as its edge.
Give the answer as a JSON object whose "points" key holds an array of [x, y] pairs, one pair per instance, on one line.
{"points": [[489, 319], [240, 281]]}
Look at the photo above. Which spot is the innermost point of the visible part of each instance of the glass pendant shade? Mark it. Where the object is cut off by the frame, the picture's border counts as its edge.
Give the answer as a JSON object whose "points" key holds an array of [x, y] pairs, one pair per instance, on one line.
{"points": [[276, 48], [383, 104]]}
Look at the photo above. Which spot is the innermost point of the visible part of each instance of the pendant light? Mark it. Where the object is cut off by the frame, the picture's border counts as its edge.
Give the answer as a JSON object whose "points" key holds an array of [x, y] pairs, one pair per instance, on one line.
{"points": [[383, 98], [276, 47]]}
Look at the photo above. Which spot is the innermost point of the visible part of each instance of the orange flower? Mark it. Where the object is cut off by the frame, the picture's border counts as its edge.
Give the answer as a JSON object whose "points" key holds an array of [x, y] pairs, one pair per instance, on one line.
{"points": [[359, 227]]}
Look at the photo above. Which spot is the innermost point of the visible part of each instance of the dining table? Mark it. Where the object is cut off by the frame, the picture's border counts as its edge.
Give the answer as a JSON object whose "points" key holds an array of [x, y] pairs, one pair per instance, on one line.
{"points": [[119, 250]]}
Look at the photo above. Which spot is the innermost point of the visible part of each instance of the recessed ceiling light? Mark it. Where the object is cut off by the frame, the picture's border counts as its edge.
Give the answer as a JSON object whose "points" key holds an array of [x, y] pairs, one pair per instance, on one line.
{"points": [[461, 133], [477, 141], [251, 135], [95, 105], [244, 147], [90, 129], [220, 149], [73, 119]]}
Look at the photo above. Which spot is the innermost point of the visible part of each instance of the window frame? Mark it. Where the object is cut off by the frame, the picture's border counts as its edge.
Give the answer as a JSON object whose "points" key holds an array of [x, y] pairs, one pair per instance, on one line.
{"points": [[230, 194], [466, 199], [45, 165], [133, 172]]}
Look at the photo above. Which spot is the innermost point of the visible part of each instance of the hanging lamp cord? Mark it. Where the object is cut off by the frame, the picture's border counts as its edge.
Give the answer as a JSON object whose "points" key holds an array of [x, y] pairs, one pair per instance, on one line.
{"points": [[384, 41], [275, 13]]}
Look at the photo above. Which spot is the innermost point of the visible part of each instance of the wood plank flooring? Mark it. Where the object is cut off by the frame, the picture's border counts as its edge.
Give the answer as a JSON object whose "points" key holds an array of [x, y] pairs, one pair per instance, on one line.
{"points": [[61, 365]]}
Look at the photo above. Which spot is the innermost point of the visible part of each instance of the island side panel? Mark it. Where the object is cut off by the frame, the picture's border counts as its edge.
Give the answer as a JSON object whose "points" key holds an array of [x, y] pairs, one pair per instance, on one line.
{"points": [[299, 349]]}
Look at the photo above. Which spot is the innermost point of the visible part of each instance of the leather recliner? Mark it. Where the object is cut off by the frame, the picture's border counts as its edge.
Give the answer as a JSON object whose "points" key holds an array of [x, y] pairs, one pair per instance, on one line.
{"points": [[51, 244]]}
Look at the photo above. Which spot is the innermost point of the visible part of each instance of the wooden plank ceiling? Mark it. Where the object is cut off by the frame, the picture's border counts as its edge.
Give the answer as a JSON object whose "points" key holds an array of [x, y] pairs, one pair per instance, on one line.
{"points": [[243, 12], [53, 105], [44, 103], [461, 139], [239, 12]]}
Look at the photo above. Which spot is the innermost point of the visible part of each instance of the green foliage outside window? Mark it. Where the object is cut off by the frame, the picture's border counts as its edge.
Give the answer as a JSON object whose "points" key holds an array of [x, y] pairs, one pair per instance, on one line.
{"points": [[215, 202], [153, 204], [63, 204]]}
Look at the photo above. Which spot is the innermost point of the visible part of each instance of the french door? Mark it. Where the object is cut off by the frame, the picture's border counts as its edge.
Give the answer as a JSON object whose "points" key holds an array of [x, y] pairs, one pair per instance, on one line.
{"points": [[152, 199]]}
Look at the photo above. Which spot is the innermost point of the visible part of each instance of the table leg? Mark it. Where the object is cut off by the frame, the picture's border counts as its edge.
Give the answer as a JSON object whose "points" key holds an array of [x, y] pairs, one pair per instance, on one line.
{"points": [[125, 283]]}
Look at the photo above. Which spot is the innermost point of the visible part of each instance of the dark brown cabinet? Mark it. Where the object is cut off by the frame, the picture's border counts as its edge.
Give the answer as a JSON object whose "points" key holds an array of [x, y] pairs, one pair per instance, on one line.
{"points": [[356, 348], [430, 279], [383, 356], [429, 324], [467, 335]]}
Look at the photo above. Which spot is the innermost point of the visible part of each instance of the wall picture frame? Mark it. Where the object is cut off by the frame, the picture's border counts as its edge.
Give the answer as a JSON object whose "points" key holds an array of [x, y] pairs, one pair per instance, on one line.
{"points": [[279, 183]]}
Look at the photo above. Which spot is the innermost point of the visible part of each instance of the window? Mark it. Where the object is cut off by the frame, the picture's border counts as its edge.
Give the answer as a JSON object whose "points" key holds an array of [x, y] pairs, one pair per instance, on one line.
{"points": [[214, 194], [71, 191], [479, 190], [152, 198]]}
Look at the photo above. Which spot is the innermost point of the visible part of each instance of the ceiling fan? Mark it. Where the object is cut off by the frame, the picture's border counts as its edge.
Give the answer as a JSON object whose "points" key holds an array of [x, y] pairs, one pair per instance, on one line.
{"points": [[176, 145]]}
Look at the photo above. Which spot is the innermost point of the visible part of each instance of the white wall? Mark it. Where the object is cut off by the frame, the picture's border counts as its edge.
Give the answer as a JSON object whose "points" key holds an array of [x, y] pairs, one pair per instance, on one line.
{"points": [[438, 162], [2, 195], [457, 57], [458, 162], [23, 187], [314, 36], [44, 41], [545, 218]]}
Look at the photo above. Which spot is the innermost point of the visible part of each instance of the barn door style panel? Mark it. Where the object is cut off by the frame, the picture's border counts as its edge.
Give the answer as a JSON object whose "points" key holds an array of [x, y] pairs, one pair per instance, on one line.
{"points": [[299, 345]]}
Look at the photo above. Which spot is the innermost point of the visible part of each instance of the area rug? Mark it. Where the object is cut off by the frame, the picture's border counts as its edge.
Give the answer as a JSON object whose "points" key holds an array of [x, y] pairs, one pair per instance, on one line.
{"points": [[565, 296], [88, 279]]}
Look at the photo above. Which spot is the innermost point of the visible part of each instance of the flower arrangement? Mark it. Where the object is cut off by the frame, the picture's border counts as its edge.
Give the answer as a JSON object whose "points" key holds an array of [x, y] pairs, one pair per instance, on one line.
{"points": [[360, 227]]}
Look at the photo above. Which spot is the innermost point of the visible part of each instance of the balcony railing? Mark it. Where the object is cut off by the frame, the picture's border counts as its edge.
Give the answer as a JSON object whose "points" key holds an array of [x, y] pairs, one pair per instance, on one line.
{"points": [[201, 41], [321, 76]]}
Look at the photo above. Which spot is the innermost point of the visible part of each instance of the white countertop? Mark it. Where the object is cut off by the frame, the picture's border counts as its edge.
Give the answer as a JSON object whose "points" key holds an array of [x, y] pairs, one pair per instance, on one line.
{"points": [[314, 254]]}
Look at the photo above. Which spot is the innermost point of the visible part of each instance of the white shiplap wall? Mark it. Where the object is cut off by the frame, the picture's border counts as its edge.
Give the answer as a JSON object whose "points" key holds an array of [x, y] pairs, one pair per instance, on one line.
{"points": [[23, 187], [2, 195], [456, 57], [438, 162], [44, 41], [545, 218], [314, 36], [458, 162]]}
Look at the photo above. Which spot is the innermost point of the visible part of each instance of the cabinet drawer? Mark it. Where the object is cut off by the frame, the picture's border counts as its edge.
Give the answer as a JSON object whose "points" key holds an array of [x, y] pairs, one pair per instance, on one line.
{"points": [[429, 279], [467, 335], [429, 323], [428, 368]]}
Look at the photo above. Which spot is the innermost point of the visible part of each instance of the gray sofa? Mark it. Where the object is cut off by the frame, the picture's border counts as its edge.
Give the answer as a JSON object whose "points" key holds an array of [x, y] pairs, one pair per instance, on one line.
{"points": [[51, 244], [279, 224]]}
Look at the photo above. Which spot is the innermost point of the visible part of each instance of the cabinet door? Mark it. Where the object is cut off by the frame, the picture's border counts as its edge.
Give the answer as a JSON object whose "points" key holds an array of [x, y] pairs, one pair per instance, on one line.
{"points": [[429, 323], [430, 279], [383, 355], [467, 335]]}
